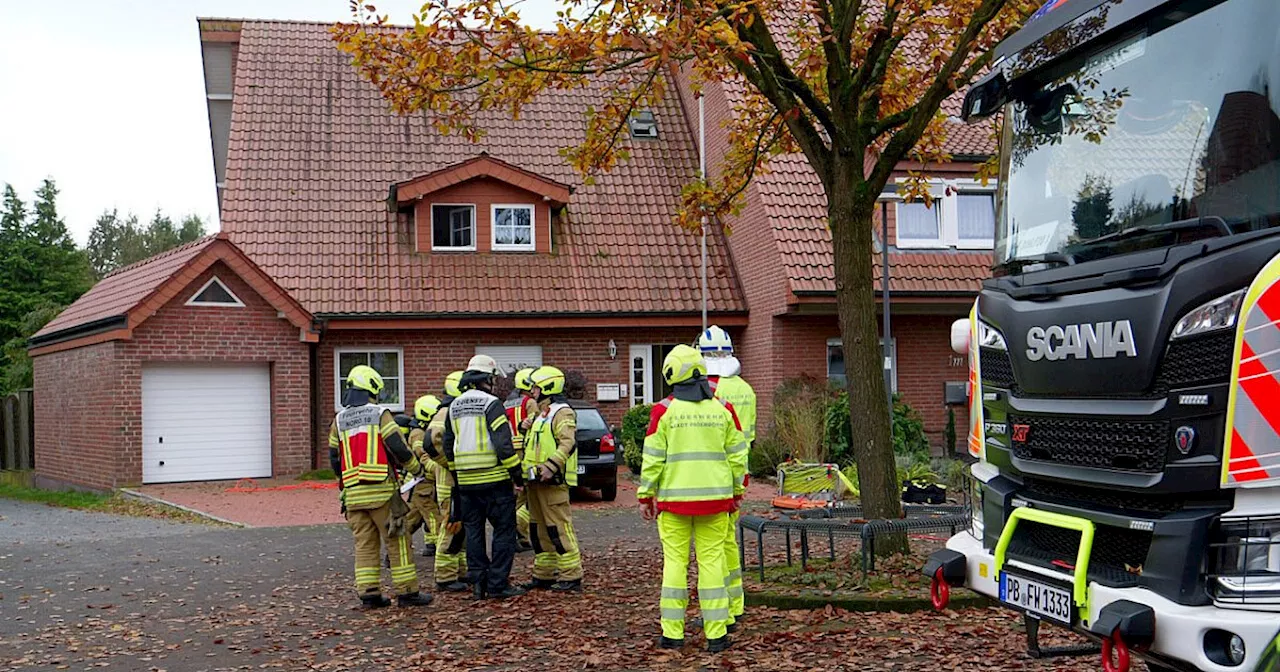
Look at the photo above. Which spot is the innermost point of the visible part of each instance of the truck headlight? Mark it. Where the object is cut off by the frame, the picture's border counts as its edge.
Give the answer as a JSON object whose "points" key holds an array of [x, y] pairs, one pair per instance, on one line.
{"points": [[1246, 563], [990, 337], [1220, 313]]}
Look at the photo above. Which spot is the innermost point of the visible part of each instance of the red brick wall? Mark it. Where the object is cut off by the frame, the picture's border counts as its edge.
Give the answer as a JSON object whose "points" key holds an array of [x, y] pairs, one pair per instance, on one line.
{"points": [[77, 418], [924, 362], [484, 193], [430, 355], [112, 373]]}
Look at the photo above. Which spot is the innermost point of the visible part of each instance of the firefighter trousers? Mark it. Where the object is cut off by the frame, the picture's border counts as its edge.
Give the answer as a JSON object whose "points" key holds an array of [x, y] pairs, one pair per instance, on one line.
{"points": [[707, 533], [733, 567], [423, 510], [451, 557], [369, 528], [496, 504], [555, 546]]}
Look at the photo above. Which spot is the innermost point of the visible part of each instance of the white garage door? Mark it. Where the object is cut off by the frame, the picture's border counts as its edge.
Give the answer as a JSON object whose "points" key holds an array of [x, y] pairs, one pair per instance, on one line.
{"points": [[205, 423], [512, 358]]}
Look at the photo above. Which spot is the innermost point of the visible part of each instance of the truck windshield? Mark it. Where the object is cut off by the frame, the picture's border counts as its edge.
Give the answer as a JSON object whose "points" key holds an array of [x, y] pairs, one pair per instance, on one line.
{"points": [[1166, 135]]}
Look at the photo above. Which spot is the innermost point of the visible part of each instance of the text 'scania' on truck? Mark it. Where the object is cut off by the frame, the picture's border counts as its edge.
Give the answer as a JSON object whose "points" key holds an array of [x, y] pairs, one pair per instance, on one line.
{"points": [[1124, 359]]}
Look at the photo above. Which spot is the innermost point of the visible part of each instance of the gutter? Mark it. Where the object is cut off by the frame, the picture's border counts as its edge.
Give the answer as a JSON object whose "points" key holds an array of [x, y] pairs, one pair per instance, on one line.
{"points": [[79, 331]]}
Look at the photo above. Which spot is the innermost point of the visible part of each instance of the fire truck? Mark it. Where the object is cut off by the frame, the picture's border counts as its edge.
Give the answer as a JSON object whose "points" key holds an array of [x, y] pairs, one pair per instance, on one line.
{"points": [[1124, 357]]}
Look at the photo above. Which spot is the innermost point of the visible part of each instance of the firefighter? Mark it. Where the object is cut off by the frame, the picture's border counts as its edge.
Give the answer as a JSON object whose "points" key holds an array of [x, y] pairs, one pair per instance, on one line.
{"points": [[365, 449], [551, 468], [521, 411], [691, 479], [447, 542], [723, 370], [477, 445], [423, 509]]}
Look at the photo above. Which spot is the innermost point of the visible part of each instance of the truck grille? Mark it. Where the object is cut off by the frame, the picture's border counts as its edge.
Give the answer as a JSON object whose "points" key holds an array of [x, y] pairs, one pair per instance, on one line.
{"points": [[1197, 361], [1117, 558], [1132, 445], [996, 367], [1119, 500]]}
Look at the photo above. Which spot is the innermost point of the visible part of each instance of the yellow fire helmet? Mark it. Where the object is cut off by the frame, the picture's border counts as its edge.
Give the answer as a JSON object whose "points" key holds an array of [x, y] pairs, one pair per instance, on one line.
{"points": [[451, 383], [365, 378], [523, 381], [426, 407], [549, 379], [683, 363]]}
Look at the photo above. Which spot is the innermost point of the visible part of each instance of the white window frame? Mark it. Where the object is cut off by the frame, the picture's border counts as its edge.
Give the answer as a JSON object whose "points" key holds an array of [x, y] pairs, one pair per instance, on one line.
{"points": [[215, 304], [533, 227], [893, 359], [337, 374], [474, 227], [947, 209], [645, 352]]}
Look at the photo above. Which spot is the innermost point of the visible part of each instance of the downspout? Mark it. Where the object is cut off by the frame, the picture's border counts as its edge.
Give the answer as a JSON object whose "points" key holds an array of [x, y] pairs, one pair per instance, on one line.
{"points": [[316, 418]]}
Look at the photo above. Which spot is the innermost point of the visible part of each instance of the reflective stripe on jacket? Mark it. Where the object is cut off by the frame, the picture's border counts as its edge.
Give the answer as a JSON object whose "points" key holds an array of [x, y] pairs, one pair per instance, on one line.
{"points": [[694, 457], [477, 440], [553, 438]]}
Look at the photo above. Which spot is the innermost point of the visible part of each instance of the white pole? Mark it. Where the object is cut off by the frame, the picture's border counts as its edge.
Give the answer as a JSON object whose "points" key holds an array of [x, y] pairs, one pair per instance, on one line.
{"points": [[702, 173]]}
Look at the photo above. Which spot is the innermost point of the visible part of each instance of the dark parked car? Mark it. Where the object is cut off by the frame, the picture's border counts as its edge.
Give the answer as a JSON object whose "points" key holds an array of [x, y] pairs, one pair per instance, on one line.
{"points": [[597, 451]]}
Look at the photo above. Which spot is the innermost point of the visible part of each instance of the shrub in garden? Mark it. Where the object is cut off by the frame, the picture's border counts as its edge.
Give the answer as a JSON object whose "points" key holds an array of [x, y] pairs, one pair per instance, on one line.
{"points": [[634, 425], [799, 418], [575, 384], [766, 454], [949, 434], [909, 439]]}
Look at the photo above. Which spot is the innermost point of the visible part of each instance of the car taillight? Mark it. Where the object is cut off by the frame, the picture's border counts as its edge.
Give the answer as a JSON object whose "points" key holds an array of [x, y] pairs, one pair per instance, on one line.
{"points": [[606, 443]]}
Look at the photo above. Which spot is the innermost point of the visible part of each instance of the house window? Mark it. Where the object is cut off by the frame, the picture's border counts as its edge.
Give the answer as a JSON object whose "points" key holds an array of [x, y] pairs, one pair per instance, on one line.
{"points": [[388, 362], [513, 227], [962, 215], [835, 362], [216, 294], [453, 227]]}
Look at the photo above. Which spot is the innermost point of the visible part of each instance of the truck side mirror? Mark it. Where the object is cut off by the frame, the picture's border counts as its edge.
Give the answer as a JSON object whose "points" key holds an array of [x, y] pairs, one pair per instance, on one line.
{"points": [[960, 336]]}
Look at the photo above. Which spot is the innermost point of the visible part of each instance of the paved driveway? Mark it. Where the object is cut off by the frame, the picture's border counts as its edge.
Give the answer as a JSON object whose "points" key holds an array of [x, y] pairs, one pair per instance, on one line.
{"points": [[26, 523]]}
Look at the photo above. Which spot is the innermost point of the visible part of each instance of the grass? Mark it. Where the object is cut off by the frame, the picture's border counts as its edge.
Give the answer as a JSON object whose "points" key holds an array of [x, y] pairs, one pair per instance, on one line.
{"points": [[101, 502], [318, 475]]}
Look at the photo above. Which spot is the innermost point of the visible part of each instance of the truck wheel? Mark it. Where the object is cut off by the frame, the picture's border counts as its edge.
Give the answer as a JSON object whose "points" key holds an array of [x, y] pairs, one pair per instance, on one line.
{"points": [[609, 492]]}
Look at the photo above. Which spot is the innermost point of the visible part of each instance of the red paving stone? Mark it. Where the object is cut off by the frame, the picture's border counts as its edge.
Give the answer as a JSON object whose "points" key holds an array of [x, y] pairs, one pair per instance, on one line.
{"points": [[283, 502]]}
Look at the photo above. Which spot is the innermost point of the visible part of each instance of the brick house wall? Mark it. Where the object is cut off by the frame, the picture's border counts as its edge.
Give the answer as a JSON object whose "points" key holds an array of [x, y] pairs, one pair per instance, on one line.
{"points": [[103, 383], [430, 355], [484, 193]]}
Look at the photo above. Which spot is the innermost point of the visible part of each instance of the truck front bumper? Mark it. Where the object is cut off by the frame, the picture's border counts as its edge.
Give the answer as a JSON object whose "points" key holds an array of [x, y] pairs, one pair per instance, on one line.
{"points": [[1180, 630]]}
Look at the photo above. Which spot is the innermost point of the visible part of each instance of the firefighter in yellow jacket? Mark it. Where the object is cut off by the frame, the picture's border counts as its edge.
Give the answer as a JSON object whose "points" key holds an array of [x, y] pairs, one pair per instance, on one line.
{"points": [[521, 412], [690, 480], [551, 468], [449, 561], [423, 510], [365, 449], [723, 370]]}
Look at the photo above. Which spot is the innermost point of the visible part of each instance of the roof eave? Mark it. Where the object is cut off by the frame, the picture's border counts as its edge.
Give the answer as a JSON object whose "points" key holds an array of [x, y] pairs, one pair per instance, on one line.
{"points": [[81, 330]]}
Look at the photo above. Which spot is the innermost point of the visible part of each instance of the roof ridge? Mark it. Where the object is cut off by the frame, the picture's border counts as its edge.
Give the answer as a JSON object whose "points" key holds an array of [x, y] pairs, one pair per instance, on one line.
{"points": [[167, 253]]}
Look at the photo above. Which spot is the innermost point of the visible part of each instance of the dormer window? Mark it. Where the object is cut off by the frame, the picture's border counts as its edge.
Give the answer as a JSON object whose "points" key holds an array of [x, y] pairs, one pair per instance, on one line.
{"points": [[453, 226], [513, 228], [215, 294]]}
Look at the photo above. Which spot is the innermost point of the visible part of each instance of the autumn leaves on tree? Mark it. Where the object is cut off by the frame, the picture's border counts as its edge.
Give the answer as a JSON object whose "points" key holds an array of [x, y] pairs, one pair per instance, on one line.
{"points": [[856, 86]]}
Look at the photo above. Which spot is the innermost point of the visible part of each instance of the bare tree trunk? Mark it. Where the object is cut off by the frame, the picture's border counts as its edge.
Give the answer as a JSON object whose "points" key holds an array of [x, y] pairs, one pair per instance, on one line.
{"points": [[850, 206]]}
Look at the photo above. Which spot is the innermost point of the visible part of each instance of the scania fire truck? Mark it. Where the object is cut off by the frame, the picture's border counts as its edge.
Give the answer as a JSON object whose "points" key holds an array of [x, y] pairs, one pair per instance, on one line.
{"points": [[1124, 357]]}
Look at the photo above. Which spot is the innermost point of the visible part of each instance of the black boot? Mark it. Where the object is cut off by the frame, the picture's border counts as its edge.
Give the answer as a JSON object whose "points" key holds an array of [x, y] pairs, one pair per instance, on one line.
{"points": [[452, 587], [668, 643], [539, 584], [574, 586], [429, 551], [375, 601], [733, 627], [413, 600], [718, 645], [509, 591], [523, 546], [478, 590]]}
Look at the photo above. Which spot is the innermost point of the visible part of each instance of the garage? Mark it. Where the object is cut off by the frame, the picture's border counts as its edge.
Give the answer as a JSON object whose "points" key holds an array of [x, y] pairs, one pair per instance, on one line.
{"points": [[205, 423]]}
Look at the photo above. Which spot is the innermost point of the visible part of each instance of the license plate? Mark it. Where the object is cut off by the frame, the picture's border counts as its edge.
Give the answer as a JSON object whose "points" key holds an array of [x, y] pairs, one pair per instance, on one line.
{"points": [[1034, 597], [582, 469]]}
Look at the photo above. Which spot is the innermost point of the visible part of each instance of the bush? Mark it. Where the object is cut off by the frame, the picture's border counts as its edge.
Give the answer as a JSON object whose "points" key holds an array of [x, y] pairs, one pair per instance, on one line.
{"points": [[766, 454], [952, 472], [575, 384], [635, 423], [799, 418], [909, 440], [949, 434]]}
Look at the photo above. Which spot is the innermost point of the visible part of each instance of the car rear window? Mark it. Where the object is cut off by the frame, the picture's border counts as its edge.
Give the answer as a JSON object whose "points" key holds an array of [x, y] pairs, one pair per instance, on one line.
{"points": [[590, 418]]}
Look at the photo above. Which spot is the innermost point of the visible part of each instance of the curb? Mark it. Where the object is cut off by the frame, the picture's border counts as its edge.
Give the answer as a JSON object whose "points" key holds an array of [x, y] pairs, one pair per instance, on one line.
{"points": [[164, 502], [903, 605]]}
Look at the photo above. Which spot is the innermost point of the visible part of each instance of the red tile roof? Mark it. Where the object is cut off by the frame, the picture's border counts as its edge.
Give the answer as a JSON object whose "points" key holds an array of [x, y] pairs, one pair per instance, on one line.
{"points": [[134, 293], [482, 166], [313, 152]]}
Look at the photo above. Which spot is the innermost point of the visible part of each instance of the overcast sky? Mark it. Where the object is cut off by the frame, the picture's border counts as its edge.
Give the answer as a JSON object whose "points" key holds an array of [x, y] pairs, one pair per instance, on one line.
{"points": [[107, 98]]}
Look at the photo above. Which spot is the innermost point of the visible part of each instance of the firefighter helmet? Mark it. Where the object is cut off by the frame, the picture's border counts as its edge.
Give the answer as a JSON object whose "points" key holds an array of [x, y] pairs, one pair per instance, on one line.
{"points": [[522, 380], [548, 379], [484, 364], [365, 378], [682, 364], [426, 407], [715, 340], [451, 382]]}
